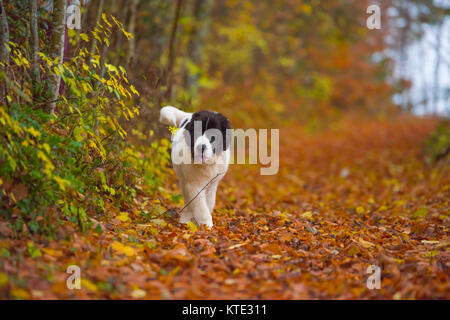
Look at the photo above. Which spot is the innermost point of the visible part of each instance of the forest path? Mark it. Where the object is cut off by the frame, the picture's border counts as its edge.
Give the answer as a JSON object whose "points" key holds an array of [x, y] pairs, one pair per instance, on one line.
{"points": [[343, 200]]}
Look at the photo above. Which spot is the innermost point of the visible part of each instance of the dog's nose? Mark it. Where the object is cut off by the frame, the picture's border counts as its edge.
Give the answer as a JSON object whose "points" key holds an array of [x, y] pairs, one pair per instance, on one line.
{"points": [[201, 147]]}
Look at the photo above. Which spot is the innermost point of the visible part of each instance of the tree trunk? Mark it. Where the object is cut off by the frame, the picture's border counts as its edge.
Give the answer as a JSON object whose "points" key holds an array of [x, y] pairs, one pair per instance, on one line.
{"points": [[173, 32], [4, 36], [56, 49], [404, 13], [199, 13], [131, 28], [99, 14], [34, 42], [422, 59], [84, 17], [437, 67], [4, 53]]}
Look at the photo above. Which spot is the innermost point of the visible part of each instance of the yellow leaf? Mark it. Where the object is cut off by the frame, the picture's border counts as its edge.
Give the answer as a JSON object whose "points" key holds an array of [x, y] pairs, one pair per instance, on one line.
{"points": [[133, 89], [307, 215], [128, 251], [33, 132], [365, 244], [353, 251], [306, 8], [20, 294], [46, 147], [123, 217], [191, 226], [51, 252], [3, 279], [84, 36], [421, 212], [88, 285], [106, 20], [62, 183], [138, 293], [173, 130]]}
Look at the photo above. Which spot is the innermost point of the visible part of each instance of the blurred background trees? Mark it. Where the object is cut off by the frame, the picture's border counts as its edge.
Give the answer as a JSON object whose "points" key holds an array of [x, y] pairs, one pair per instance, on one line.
{"points": [[277, 61], [272, 61], [419, 43]]}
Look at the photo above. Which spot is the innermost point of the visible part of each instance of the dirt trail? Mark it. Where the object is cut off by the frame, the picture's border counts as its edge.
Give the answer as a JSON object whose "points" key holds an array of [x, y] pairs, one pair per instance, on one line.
{"points": [[342, 201]]}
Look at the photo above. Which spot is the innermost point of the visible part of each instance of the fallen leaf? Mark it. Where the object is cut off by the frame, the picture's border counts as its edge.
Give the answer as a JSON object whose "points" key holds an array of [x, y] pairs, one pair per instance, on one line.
{"points": [[20, 293], [86, 283], [127, 250], [19, 192], [191, 226], [307, 215], [420, 213], [366, 244], [138, 294], [3, 279]]}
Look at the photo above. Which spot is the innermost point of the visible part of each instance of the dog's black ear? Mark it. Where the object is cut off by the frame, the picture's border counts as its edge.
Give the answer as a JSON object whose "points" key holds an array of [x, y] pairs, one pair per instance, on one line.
{"points": [[225, 124], [189, 135]]}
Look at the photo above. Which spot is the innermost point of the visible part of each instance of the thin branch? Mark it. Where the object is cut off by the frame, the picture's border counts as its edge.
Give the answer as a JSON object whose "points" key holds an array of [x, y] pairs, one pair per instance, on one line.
{"points": [[37, 105], [171, 53], [200, 192], [16, 89]]}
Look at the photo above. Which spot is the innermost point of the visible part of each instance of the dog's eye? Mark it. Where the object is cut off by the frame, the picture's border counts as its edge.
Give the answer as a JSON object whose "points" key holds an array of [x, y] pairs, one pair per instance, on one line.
{"points": [[212, 139]]}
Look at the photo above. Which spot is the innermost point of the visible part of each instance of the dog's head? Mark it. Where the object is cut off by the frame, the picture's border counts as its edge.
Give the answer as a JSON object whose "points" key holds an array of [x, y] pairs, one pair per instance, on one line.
{"points": [[206, 133]]}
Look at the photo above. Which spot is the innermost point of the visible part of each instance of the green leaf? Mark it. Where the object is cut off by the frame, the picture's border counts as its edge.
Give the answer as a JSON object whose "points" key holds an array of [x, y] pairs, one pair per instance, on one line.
{"points": [[420, 213], [33, 251], [176, 198], [4, 253]]}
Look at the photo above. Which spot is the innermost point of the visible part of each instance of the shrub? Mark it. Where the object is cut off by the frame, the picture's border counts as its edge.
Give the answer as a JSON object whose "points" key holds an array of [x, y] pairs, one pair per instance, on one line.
{"points": [[437, 145], [66, 166]]}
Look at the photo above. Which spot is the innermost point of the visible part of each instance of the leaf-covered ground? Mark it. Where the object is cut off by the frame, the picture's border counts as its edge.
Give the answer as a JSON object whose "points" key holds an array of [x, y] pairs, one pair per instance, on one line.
{"points": [[342, 201]]}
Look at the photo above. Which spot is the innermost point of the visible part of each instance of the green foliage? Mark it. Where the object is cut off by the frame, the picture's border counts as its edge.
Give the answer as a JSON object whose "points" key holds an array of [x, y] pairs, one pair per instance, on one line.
{"points": [[69, 165], [149, 162], [437, 145], [32, 250]]}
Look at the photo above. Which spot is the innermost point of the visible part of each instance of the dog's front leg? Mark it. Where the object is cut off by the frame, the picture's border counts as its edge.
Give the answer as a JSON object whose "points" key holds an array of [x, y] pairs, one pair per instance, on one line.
{"points": [[211, 196], [186, 214], [198, 206]]}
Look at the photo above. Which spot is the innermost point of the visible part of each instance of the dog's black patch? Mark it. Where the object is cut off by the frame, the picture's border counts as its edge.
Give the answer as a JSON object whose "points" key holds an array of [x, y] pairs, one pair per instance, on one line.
{"points": [[209, 120], [183, 123]]}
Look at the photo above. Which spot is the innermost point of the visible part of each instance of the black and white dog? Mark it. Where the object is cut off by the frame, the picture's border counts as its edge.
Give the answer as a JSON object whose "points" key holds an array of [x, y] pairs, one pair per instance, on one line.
{"points": [[200, 157]]}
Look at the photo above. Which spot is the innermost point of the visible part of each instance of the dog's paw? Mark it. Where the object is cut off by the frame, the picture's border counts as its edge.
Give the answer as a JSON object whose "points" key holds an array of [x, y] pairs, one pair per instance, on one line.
{"points": [[207, 222], [209, 225], [185, 218]]}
